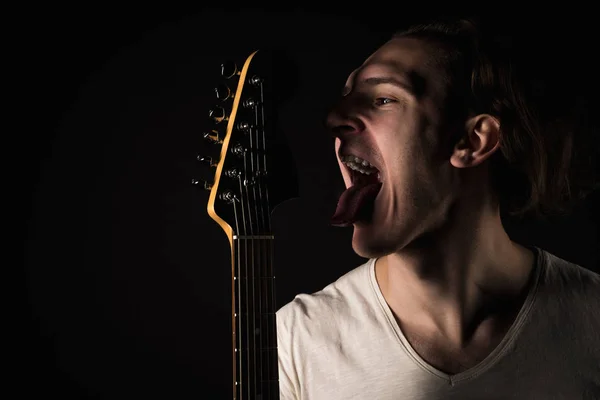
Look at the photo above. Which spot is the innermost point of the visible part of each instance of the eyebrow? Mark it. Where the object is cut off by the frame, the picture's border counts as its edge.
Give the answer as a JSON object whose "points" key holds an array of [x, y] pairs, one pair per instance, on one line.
{"points": [[382, 80], [374, 81]]}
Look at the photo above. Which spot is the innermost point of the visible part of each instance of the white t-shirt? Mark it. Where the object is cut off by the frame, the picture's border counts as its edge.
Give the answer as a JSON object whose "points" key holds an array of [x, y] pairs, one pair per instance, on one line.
{"points": [[343, 343]]}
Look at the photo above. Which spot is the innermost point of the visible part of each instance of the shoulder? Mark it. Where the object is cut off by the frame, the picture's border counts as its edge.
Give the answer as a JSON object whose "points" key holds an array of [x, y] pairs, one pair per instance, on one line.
{"points": [[322, 310], [570, 290], [566, 317], [565, 276]]}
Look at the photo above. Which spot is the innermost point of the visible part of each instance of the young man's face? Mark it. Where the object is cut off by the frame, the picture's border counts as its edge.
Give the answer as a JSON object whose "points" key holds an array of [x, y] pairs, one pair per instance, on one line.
{"points": [[392, 115]]}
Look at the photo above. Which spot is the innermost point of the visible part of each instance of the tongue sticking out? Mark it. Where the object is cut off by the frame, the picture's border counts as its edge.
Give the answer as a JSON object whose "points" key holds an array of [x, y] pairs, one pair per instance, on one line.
{"points": [[356, 202]]}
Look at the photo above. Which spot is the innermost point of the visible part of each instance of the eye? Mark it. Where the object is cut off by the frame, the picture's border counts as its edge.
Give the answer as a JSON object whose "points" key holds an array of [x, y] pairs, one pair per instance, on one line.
{"points": [[380, 101]]}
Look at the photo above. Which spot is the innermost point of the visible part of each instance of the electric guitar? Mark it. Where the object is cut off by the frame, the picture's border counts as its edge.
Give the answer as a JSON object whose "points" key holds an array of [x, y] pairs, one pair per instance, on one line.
{"points": [[252, 172]]}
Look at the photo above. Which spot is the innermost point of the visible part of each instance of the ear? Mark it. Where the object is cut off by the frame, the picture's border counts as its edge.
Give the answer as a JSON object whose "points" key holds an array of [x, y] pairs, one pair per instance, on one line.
{"points": [[481, 140]]}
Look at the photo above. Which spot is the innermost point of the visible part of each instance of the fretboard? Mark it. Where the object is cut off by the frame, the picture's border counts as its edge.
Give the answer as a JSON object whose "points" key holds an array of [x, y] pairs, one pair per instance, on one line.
{"points": [[255, 330]]}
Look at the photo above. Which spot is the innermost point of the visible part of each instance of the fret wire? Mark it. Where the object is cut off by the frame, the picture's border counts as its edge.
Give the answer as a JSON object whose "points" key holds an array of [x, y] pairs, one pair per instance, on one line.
{"points": [[252, 237], [256, 277], [265, 349], [266, 314]]}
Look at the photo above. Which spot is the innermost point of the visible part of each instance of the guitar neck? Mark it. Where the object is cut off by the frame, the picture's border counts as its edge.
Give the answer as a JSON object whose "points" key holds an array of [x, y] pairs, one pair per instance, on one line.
{"points": [[252, 172], [253, 307]]}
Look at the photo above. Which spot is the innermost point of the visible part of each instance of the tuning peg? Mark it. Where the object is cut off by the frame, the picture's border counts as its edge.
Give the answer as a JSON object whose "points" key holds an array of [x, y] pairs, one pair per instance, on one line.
{"points": [[243, 126], [206, 160], [238, 150], [222, 92], [202, 183], [228, 196], [212, 137], [255, 80], [249, 103], [217, 113]]}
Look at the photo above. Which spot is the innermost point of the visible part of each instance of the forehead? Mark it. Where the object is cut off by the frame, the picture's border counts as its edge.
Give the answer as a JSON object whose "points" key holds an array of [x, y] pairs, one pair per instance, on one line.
{"points": [[407, 59]]}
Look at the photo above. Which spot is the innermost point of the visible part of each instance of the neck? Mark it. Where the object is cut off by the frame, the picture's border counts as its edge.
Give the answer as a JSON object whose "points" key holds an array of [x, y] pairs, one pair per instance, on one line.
{"points": [[460, 279]]}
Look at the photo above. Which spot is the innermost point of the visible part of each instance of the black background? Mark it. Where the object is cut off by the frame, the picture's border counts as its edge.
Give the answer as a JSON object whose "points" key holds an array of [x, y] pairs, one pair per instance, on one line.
{"points": [[127, 278]]}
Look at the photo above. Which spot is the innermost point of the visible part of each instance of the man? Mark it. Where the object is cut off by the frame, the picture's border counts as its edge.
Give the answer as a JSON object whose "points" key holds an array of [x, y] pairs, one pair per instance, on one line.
{"points": [[447, 305]]}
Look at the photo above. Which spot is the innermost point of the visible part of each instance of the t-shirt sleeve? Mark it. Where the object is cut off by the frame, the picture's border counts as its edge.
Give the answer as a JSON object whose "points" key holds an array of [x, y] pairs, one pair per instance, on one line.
{"points": [[288, 377]]}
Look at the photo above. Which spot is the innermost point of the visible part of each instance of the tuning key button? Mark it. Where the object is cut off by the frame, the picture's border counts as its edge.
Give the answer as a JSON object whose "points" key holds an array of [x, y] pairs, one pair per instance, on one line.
{"points": [[217, 113], [208, 161], [222, 92], [202, 183], [212, 137], [233, 173], [228, 196], [228, 69]]}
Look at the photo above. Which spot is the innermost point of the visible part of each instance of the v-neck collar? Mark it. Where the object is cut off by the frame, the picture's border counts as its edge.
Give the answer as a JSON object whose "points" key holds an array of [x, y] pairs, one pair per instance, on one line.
{"points": [[494, 356]]}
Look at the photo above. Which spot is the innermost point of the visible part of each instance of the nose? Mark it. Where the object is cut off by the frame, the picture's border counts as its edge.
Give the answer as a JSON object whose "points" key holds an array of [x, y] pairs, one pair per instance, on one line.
{"points": [[341, 121]]}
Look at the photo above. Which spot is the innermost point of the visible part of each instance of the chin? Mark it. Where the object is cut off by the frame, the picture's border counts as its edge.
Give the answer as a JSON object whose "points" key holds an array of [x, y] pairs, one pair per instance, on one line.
{"points": [[367, 244]]}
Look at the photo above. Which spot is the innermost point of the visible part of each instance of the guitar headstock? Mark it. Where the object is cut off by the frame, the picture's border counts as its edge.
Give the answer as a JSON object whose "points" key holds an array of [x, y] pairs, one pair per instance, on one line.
{"points": [[250, 164]]}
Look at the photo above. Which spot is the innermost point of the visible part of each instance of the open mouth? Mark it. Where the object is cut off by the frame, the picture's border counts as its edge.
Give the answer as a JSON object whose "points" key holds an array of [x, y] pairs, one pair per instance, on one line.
{"points": [[357, 202], [361, 171], [361, 179]]}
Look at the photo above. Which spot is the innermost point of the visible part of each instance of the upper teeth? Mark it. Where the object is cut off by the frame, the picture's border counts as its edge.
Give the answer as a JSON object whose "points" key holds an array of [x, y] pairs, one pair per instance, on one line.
{"points": [[358, 164]]}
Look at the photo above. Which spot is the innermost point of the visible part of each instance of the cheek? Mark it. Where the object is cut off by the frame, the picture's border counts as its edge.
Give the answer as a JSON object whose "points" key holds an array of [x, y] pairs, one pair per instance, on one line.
{"points": [[343, 169], [406, 167], [345, 174]]}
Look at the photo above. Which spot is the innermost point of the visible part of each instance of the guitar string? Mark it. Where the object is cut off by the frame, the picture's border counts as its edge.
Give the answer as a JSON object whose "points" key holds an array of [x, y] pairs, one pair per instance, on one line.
{"points": [[250, 277], [254, 145], [248, 225], [245, 279], [238, 319], [264, 268], [250, 186], [268, 243]]}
